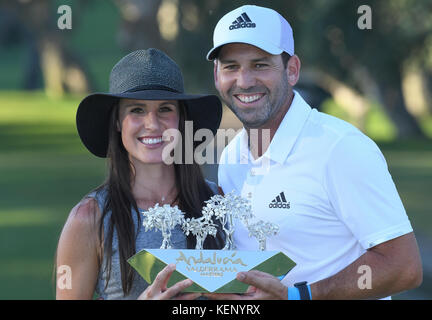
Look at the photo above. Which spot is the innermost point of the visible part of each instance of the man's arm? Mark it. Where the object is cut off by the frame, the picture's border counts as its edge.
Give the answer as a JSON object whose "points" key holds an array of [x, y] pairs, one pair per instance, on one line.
{"points": [[395, 266]]}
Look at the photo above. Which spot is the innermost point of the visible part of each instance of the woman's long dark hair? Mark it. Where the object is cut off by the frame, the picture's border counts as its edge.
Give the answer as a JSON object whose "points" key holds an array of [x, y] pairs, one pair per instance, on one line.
{"points": [[192, 192]]}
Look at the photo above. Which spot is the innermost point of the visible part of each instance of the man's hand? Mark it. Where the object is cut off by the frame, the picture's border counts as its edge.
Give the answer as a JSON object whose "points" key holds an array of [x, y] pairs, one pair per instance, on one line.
{"points": [[263, 286]]}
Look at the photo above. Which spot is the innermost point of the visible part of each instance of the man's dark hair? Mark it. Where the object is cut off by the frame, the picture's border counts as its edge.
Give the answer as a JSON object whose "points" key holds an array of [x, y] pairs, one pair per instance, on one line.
{"points": [[285, 58]]}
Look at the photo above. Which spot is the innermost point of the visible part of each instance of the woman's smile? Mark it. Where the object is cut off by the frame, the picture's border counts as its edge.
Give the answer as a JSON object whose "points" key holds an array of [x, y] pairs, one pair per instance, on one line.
{"points": [[143, 123], [151, 142]]}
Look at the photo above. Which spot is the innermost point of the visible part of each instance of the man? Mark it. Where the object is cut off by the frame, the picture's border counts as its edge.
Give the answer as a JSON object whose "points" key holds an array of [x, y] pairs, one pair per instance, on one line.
{"points": [[320, 179]]}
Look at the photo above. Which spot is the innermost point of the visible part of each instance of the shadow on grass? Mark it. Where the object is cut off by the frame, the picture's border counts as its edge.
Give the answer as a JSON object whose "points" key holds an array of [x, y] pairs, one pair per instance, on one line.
{"points": [[44, 172], [41, 137], [415, 145]]}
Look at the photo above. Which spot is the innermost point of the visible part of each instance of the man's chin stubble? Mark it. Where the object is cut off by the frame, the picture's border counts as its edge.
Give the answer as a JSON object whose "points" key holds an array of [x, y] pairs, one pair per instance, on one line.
{"points": [[250, 123]]}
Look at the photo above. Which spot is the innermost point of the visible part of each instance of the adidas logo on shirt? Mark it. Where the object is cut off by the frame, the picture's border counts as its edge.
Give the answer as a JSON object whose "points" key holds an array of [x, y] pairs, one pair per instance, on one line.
{"points": [[242, 21], [280, 202]]}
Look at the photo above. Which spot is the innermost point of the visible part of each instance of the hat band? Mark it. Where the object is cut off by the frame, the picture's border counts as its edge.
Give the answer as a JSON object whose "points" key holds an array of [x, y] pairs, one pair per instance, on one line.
{"points": [[151, 87]]}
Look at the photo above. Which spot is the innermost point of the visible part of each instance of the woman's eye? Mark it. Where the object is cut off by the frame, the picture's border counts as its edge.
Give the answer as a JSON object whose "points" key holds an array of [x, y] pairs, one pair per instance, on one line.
{"points": [[137, 110], [166, 109]]}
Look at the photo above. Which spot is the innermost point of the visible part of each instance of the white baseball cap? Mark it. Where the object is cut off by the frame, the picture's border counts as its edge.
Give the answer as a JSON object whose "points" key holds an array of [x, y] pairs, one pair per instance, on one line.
{"points": [[261, 27]]}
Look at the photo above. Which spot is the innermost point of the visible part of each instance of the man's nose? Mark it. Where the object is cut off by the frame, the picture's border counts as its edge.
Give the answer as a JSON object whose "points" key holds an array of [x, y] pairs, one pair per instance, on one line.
{"points": [[245, 79]]}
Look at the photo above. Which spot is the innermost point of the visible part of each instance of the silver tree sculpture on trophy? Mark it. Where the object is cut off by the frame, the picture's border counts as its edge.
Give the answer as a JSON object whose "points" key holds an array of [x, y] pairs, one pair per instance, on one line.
{"points": [[227, 208], [165, 219], [200, 228], [261, 230], [221, 208]]}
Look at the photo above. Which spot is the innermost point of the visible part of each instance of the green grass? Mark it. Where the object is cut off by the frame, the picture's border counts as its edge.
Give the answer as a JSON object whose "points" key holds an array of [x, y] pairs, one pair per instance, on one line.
{"points": [[45, 170], [412, 174]]}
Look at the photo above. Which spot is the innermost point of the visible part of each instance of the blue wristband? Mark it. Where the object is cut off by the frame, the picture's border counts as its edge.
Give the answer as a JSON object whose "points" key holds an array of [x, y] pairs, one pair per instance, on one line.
{"points": [[294, 293]]}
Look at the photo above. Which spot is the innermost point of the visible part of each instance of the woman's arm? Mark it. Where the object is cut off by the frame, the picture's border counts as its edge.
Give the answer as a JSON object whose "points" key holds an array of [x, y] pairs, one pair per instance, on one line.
{"points": [[79, 251]]}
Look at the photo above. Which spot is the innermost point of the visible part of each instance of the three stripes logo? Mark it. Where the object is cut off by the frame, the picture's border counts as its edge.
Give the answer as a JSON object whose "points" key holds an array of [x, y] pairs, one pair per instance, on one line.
{"points": [[280, 202], [243, 21]]}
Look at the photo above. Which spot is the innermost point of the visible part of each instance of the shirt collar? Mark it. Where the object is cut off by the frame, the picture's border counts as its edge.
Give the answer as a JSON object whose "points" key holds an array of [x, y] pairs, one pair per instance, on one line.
{"points": [[285, 136]]}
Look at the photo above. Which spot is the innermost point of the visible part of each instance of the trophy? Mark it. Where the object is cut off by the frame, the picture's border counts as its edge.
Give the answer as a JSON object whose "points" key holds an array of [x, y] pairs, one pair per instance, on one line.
{"points": [[211, 270], [165, 219], [200, 228], [229, 207], [261, 230]]}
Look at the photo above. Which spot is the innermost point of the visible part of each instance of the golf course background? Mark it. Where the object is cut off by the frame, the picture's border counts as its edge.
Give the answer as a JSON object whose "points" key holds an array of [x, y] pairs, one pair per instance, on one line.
{"points": [[45, 170]]}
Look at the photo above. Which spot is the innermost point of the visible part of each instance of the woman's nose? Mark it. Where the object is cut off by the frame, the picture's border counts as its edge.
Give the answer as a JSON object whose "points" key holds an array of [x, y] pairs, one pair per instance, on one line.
{"points": [[151, 121]]}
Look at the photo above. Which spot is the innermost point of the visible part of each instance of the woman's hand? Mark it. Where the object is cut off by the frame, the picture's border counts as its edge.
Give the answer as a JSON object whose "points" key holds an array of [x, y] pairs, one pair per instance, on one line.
{"points": [[158, 289]]}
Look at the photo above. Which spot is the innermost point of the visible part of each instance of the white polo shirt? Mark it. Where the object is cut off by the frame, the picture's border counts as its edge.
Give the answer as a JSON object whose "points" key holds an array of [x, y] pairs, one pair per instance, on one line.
{"points": [[327, 186]]}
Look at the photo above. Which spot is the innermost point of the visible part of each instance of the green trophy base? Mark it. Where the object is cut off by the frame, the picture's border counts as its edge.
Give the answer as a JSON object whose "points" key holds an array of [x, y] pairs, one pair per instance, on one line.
{"points": [[210, 270]]}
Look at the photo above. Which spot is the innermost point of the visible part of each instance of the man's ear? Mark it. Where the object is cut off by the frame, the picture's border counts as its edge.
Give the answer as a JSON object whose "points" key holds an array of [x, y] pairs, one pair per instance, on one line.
{"points": [[293, 70], [215, 68]]}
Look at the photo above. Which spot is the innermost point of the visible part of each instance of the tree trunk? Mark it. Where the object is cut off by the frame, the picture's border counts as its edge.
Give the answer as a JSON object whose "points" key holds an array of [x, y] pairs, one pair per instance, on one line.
{"points": [[62, 71], [394, 106], [52, 66], [349, 99]]}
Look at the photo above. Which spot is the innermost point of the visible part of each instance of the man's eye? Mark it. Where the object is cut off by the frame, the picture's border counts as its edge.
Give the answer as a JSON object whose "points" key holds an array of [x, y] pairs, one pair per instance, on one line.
{"points": [[230, 67], [260, 65]]}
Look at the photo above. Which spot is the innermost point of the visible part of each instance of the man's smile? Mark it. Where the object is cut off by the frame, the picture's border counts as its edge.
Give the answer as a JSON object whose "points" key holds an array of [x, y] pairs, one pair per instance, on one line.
{"points": [[249, 98]]}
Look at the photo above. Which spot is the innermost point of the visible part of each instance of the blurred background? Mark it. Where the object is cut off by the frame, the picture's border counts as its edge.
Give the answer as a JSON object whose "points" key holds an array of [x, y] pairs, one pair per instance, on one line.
{"points": [[379, 79]]}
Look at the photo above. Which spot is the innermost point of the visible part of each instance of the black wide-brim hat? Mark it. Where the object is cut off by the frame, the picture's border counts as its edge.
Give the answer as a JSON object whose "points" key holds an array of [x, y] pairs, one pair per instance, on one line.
{"points": [[145, 75]]}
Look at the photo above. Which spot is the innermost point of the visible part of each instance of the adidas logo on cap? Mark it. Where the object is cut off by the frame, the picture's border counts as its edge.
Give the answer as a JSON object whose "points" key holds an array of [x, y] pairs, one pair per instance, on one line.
{"points": [[280, 202], [243, 21], [268, 31]]}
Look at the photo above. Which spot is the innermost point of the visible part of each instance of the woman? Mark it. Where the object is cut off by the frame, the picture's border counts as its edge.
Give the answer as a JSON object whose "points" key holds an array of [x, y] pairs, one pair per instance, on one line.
{"points": [[127, 126]]}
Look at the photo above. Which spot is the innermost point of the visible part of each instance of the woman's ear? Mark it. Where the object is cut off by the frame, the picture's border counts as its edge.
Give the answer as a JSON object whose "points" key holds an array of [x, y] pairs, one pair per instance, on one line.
{"points": [[116, 115]]}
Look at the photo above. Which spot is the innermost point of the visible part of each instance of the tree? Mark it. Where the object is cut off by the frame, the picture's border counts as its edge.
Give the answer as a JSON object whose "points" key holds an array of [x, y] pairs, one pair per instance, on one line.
{"points": [[139, 26], [369, 61], [364, 63], [62, 70]]}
